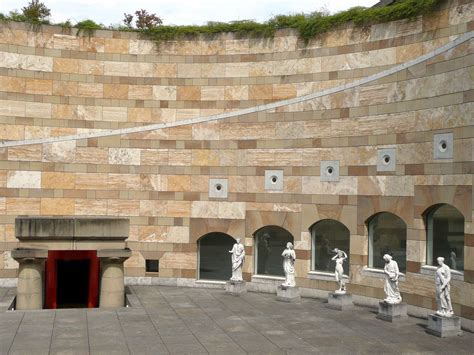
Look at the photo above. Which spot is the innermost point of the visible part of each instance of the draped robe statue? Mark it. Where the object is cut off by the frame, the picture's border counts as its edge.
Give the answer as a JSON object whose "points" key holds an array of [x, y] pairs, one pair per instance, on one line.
{"points": [[289, 258], [238, 258], [391, 280], [442, 280]]}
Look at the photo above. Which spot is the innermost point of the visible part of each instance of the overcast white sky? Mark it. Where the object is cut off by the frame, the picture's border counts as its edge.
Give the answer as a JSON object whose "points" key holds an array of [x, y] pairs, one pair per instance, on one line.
{"points": [[183, 12]]}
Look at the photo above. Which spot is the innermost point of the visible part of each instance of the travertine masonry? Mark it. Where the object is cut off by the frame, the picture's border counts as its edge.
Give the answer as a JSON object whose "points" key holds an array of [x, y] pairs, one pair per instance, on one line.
{"points": [[55, 84]]}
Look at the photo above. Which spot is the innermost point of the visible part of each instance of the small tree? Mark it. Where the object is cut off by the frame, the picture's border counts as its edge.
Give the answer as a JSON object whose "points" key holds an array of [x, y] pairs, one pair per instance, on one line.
{"points": [[128, 18], [36, 11], [144, 20]]}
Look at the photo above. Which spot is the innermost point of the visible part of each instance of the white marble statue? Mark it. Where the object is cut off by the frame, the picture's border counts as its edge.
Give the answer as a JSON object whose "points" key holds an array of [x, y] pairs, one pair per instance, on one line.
{"points": [[238, 258], [391, 280], [442, 280], [339, 258], [289, 258]]}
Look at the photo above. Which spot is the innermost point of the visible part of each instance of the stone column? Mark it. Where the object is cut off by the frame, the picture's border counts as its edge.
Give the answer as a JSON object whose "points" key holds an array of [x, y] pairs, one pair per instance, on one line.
{"points": [[30, 290], [112, 287]]}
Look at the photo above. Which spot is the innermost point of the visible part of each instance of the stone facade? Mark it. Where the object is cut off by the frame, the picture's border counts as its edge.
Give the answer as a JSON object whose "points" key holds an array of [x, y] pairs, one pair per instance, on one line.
{"points": [[58, 84]]}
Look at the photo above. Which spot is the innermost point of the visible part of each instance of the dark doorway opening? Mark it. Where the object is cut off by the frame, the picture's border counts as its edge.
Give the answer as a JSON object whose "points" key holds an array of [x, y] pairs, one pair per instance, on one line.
{"points": [[72, 279], [73, 283]]}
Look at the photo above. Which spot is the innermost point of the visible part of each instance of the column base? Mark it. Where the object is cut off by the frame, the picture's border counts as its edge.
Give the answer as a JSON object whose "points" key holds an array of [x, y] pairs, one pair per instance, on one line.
{"points": [[235, 288], [288, 294], [340, 301], [392, 312], [444, 327]]}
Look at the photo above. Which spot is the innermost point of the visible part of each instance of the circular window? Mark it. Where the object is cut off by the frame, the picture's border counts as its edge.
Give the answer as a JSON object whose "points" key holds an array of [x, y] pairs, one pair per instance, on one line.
{"points": [[443, 146], [274, 179], [218, 187], [386, 159], [330, 170]]}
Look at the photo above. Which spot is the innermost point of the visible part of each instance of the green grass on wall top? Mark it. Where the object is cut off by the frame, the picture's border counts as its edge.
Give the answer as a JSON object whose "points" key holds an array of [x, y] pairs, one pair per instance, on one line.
{"points": [[308, 25]]}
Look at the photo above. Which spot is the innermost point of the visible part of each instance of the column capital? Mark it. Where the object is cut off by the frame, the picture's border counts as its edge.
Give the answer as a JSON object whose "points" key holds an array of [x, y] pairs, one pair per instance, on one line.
{"points": [[31, 255], [117, 255]]}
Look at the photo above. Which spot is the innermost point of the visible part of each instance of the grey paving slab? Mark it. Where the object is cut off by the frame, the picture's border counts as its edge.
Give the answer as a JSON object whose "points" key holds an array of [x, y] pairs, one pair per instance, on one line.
{"points": [[146, 344], [192, 321]]}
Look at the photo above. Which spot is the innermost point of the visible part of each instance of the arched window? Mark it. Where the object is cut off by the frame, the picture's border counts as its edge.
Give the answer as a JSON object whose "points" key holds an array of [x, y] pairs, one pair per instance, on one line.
{"points": [[445, 229], [327, 235], [270, 241], [214, 258], [387, 235]]}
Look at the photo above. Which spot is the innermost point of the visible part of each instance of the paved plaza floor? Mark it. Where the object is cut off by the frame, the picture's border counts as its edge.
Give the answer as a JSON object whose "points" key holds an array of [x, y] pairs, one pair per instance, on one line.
{"points": [[193, 321]]}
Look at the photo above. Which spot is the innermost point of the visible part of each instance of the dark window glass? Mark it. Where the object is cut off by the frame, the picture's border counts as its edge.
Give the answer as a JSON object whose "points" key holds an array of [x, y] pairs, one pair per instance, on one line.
{"points": [[152, 265], [328, 235], [387, 235], [270, 242], [446, 237], [214, 257]]}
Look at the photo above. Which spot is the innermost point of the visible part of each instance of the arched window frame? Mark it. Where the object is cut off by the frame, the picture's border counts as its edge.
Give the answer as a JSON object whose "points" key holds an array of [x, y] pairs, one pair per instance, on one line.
{"points": [[255, 259], [313, 245], [198, 267], [429, 223], [370, 229]]}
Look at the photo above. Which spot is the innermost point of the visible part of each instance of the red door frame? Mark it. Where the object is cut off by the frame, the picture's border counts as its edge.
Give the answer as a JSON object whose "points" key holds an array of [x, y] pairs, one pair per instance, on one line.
{"points": [[52, 274]]}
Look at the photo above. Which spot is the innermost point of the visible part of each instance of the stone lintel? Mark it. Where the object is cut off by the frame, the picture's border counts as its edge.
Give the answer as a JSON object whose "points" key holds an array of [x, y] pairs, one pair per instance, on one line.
{"points": [[43, 228], [29, 254]]}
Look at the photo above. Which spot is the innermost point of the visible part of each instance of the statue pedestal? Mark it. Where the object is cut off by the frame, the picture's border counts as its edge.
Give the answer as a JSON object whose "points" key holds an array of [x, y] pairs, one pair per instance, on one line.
{"points": [[340, 301], [288, 293], [235, 288], [444, 326], [392, 312]]}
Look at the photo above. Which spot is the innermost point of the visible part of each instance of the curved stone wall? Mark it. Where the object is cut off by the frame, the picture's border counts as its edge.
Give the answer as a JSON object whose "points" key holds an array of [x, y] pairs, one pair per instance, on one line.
{"points": [[58, 84]]}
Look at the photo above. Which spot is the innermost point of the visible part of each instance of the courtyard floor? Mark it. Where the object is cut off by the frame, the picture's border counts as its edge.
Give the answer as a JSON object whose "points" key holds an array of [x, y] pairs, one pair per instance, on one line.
{"points": [[187, 320]]}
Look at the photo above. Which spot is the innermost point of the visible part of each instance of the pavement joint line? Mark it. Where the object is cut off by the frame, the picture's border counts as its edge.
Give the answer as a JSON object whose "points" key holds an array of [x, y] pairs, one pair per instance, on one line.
{"points": [[262, 325], [210, 317], [88, 336], [189, 329], [123, 332], [16, 332], [149, 318]]}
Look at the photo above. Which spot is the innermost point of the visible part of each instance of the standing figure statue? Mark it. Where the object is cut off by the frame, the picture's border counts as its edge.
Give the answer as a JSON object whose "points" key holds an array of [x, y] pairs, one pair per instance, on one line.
{"points": [[339, 258], [391, 280], [289, 258], [442, 280], [238, 258]]}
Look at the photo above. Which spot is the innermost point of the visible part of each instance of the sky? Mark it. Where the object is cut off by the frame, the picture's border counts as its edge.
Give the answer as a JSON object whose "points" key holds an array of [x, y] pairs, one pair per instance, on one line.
{"points": [[183, 12]]}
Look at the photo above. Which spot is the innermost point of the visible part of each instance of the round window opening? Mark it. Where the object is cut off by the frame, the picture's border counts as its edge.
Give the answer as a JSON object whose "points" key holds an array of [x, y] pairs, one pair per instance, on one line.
{"points": [[274, 179], [386, 159], [443, 146], [218, 187], [329, 170]]}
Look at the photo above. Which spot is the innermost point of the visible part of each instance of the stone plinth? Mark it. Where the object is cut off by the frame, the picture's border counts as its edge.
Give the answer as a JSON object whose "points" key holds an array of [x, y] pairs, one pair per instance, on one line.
{"points": [[444, 326], [288, 293], [112, 288], [29, 293], [235, 288], [340, 301], [392, 312]]}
